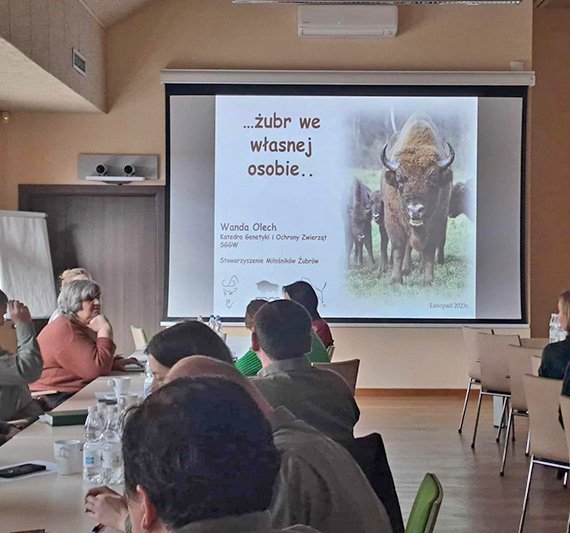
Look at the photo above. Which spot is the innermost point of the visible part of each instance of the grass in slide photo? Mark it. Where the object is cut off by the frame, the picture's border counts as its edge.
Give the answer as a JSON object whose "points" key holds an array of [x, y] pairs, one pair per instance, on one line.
{"points": [[451, 278]]}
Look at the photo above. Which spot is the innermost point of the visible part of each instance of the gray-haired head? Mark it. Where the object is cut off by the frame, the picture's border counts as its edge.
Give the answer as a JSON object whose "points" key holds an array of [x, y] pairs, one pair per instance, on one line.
{"points": [[3, 299], [71, 297]]}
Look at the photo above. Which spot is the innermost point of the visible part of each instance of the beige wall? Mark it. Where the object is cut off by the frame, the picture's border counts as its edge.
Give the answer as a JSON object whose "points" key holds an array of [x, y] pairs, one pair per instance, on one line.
{"points": [[550, 187], [43, 148], [47, 30]]}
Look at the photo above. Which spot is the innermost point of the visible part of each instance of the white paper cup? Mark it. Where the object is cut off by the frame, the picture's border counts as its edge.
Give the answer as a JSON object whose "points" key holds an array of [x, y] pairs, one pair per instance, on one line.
{"points": [[68, 456], [120, 385]]}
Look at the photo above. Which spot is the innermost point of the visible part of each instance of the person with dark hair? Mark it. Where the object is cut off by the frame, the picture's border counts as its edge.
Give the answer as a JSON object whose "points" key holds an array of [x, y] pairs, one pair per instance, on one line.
{"points": [[304, 294], [321, 398], [319, 484], [187, 338], [199, 456], [249, 364], [19, 370]]}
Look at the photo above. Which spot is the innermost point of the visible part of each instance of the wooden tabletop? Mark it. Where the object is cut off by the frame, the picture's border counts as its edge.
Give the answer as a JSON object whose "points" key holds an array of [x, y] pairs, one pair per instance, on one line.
{"points": [[50, 502]]}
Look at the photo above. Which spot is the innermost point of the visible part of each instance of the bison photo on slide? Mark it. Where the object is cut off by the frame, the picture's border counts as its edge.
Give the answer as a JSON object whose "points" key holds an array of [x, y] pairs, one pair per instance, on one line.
{"points": [[410, 202]]}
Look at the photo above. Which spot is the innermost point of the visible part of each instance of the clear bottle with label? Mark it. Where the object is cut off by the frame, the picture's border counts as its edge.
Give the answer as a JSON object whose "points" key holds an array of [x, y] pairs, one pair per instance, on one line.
{"points": [[112, 457], [92, 448], [212, 322], [554, 328], [148, 380]]}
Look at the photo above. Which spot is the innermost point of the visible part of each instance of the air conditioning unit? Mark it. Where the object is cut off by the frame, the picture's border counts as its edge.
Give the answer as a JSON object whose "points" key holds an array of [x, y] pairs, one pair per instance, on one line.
{"points": [[347, 21], [378, 2]]}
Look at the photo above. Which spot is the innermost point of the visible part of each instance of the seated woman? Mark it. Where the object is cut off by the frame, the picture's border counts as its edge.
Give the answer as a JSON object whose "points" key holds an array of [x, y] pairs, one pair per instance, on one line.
{"points": [[556, 356], [250, 365], [65, 278], [182, 340], [78, 346], [302, 293]]}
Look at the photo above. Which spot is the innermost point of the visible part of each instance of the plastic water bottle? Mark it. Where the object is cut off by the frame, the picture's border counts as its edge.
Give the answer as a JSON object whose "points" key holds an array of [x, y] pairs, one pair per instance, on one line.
{"points": [[200, 319], [554, 328], [112, 456], [562, 334], [148, 380], [92, 447], [212, 322]]}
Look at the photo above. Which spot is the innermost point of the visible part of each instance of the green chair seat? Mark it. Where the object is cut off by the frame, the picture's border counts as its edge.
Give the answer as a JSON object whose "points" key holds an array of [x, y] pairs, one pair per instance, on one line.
{"points": [[426, 506]]}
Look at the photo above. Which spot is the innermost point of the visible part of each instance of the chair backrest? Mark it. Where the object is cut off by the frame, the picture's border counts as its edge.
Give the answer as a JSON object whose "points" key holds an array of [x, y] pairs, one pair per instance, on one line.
{"points": [[536, 342], [520, 361], [426, 506], [370, 454], [494, 363], [565, 409], [470, 343], [543, 400], [346, 369], [330, 351], [139, 337]]}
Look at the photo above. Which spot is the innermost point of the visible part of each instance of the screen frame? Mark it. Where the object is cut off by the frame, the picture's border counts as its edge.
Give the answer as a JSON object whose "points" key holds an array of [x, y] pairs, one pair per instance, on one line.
{"points": [[347, 89]]}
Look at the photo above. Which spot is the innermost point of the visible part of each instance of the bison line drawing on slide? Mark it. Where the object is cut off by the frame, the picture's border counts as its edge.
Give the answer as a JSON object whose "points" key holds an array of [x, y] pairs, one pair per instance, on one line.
{"points": [[416, 187], [357, 223]]}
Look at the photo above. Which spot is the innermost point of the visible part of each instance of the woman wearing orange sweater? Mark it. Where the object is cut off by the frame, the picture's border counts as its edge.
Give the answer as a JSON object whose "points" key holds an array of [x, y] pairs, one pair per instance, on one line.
{"points": [[78, 346]]}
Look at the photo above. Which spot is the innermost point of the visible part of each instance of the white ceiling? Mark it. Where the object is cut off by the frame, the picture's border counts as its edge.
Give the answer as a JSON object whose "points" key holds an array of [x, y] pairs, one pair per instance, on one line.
{"points": [[25, 86], [109, 12]]}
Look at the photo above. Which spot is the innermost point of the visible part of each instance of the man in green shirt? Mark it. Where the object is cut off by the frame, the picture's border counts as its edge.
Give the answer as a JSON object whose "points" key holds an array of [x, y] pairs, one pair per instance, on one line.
{"points": [[249, 364], [321, 398]]}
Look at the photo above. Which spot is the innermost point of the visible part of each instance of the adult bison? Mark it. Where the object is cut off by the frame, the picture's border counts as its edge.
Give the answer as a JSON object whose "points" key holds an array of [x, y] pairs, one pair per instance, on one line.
{"points": [[461, 200], [357, 222], [416, 187]]}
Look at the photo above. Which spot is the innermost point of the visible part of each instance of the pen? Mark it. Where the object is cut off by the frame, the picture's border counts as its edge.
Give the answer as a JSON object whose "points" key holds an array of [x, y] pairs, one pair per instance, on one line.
{"points": [[97, 528]]}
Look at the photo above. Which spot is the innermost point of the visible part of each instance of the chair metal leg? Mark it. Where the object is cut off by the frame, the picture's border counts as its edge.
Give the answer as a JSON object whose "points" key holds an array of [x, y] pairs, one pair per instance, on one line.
{"points": [[502, 472], [477, 419], [565, 482], [512, 427], [528, 445], [525, 501], [502, 422], [465, 405]]}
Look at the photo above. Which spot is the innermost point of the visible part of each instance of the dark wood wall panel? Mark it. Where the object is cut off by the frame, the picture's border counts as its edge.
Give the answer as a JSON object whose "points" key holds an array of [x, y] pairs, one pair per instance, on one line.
{"points": [[117, 234]]}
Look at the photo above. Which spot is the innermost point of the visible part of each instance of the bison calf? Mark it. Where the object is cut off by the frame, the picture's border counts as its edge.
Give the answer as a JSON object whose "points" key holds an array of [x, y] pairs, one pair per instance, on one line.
{"points": [[378, 217], [358, 220]]}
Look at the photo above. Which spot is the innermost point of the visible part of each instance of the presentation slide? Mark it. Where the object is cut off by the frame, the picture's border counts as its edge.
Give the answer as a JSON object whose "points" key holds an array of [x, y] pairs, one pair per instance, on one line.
{"points": [[305, 189], [395, 207]]}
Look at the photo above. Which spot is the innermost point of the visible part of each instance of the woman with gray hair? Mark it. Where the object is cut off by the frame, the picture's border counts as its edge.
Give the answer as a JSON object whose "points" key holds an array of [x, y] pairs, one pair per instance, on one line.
{"points": [[78, 346]]}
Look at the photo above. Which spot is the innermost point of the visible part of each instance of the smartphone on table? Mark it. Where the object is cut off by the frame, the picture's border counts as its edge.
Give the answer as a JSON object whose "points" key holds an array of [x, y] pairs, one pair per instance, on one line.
{"points": [[20, 470]]}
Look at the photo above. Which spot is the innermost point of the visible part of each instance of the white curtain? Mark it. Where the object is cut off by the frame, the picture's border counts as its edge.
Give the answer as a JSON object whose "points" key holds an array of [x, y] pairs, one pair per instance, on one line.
{"points": [[26, 272]]}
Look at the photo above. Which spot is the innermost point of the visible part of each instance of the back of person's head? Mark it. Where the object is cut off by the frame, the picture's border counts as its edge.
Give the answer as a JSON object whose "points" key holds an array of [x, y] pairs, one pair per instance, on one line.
{"points": [[200, 449], [72, 296], [283, 329], [251, 310], [73, 274], [3, 299], [185, 339], [304, 294]]}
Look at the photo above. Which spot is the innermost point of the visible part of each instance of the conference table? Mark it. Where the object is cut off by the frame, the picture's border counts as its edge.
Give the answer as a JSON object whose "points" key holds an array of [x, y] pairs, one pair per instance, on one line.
{"points": [[51, 502]]}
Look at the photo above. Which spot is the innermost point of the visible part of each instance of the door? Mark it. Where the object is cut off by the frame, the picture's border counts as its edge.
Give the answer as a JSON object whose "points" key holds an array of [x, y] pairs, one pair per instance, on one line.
{"points": [[116, 233]]}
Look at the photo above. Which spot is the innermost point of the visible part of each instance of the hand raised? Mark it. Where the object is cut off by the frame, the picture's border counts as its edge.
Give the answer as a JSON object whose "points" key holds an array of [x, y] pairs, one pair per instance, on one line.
{"points": [[19, 313]]}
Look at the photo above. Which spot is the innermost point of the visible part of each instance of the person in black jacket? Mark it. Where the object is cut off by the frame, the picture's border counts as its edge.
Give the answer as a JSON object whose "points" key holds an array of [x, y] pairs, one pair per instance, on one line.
{"points": [[556, 356]]}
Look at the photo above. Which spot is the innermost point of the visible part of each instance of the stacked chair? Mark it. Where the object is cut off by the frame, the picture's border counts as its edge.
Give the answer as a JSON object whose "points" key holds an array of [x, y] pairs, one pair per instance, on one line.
{"points": [[473, 365], [495, 382], [548, 445], [521, 361]]}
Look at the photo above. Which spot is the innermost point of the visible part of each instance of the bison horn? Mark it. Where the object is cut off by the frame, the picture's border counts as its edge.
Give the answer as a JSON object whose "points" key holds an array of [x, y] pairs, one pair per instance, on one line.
{"points": [[390, 165], [446, 163]]}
